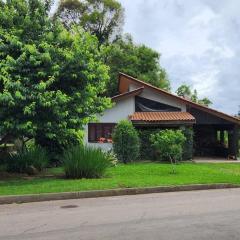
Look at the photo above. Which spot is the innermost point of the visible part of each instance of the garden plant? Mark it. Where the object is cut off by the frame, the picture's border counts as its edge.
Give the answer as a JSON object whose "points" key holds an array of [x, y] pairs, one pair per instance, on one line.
{"points": [[28, 160], [126, 143], [169, 145], [86, 162]]}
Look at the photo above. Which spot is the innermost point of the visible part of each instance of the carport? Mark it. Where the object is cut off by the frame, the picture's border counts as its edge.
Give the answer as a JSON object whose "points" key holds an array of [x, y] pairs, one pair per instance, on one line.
{"points": [[215, 134]]}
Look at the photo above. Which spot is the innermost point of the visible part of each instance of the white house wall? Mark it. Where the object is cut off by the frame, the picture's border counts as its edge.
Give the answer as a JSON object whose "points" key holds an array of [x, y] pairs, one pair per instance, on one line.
{"points": [[120, 111]]}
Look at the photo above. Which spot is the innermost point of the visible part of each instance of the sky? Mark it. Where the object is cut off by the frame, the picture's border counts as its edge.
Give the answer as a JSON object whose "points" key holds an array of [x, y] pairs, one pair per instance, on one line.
{"points": [[199, 42]]}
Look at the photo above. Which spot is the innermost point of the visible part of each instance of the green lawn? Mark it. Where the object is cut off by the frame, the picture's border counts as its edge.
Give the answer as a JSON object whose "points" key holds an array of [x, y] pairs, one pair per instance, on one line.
{"points": [[125, 176]]}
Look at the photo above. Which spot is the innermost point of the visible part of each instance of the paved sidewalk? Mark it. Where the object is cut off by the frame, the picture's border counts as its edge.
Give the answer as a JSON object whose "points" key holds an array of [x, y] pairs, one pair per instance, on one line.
{"points": [[214, 160]]}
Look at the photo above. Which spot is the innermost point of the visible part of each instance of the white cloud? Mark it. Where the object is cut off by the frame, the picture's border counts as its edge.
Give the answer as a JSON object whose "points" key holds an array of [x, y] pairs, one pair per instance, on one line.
{"points": [[198, 40]]}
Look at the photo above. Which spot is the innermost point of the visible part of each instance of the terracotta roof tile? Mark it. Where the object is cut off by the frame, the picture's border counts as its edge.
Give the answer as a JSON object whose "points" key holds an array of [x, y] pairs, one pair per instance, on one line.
{"points": [[162, 116]]}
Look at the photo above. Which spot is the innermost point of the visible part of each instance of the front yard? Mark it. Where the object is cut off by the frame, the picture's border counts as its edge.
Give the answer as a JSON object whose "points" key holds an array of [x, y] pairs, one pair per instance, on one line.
{"points": [[122, 176]]}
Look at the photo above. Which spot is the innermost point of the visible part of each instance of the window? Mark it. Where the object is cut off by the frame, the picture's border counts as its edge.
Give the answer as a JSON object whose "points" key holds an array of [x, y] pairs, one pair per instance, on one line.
{"points": [[100, 132]]}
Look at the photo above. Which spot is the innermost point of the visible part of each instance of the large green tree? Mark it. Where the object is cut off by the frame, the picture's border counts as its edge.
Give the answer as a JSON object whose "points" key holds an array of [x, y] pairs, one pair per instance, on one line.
{"points": [[185, 91], [103, 18], [136, 60], [50, 79]]}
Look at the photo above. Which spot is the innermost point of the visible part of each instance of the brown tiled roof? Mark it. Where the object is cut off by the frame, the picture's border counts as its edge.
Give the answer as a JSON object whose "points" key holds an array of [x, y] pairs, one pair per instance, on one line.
{"points": [[128, 94], [125, 80], [162, 116]]}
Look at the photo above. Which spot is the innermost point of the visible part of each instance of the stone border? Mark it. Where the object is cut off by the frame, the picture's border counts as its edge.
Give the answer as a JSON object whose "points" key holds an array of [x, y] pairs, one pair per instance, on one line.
{"points": [[107, 193]]}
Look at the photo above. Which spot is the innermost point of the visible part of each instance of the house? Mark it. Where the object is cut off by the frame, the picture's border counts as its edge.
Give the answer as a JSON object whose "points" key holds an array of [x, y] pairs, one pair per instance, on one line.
{"points": [[215, 133]]}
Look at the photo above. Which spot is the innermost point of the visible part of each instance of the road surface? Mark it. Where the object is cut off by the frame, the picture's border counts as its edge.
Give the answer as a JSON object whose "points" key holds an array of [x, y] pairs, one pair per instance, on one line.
{"points": [[213, 214]]}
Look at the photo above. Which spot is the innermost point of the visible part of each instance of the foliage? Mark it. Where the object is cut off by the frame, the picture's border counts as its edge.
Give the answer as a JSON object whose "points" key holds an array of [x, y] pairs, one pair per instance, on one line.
{"points": [[102, 18], [85, 162], [169, 144], [205, 101], [147, 152], [28, 161], [188, 145], [126, 142], [185, 91], [136, 60], [51, 80]]}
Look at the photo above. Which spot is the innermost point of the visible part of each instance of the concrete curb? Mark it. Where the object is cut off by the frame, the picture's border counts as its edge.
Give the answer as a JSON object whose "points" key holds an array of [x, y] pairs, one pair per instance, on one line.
{"points": [[107, 193]]}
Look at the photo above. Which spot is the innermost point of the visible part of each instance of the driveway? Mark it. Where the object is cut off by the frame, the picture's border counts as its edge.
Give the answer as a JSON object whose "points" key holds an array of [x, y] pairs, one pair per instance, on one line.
{"points": [[213, 214]]}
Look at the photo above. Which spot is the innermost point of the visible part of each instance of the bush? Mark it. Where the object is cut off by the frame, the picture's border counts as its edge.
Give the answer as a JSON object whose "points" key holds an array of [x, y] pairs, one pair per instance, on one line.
{"points": [[169, 144], [126, 142], [188, 145], [30, 160], [85, 162]]}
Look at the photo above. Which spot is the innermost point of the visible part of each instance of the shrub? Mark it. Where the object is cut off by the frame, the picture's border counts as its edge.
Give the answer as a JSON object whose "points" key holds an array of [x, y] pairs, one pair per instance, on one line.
{"points": [[126, 142], [188, 145], [169, 144], [28, 160], [85, 162]]}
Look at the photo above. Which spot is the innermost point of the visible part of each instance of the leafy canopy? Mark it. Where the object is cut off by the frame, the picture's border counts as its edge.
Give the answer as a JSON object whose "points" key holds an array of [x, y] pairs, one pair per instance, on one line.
{"points": [[50, 79], [136, 60], [102, 18]]}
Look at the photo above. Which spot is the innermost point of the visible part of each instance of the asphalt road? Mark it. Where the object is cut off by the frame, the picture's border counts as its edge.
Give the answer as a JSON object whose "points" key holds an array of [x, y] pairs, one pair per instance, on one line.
{"points": [[213, 214]]}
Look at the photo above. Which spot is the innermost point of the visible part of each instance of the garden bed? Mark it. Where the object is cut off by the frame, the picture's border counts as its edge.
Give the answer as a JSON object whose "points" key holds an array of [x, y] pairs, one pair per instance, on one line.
{"points": [[122, 176]]}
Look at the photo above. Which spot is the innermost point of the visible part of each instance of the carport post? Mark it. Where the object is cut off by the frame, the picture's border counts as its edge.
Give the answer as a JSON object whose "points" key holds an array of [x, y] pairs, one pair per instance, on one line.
{"points": [[233, 137]]}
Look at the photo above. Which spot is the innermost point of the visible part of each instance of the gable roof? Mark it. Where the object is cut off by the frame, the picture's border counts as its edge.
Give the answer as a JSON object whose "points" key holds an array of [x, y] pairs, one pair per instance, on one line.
{"points": [[134, 92], [125, 80], [162, 117]]}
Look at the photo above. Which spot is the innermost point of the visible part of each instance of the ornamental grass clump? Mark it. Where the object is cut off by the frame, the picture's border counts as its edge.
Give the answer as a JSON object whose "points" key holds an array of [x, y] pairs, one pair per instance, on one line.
{"points": [[85, 162], [29, 160]]}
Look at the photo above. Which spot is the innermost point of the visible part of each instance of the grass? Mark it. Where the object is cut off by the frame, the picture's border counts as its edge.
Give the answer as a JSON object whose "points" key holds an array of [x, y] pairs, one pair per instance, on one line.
{"points": [[124, 176]]}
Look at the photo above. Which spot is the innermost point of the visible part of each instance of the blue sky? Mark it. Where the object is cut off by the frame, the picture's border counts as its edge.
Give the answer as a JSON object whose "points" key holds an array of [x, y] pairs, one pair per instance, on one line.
{"points": [[199, 42]]}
